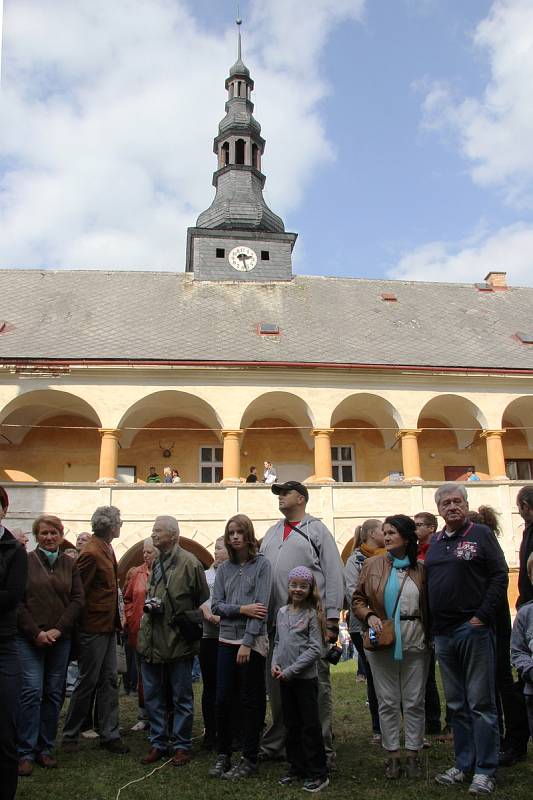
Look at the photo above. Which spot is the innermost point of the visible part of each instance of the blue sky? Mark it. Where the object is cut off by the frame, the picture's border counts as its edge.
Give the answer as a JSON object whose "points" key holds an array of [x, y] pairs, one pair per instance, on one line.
{"points": [[398, 131]]}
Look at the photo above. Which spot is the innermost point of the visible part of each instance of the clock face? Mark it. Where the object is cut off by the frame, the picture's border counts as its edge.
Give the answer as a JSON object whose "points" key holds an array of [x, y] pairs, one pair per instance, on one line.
{"points": [[242, 258]]}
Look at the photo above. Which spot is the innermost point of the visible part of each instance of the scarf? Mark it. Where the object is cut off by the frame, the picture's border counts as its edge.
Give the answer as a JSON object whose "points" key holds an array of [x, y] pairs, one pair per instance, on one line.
{"points": [[52, 556], [392, 588], [368, 552]]}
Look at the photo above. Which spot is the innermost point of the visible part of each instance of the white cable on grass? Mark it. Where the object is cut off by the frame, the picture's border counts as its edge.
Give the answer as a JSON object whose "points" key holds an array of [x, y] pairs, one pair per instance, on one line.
{"points": [[138, 780]]}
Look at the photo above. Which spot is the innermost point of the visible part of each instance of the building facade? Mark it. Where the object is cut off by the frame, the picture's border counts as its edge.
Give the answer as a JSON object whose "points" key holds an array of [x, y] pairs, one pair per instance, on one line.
{"points": [[372, 391]]}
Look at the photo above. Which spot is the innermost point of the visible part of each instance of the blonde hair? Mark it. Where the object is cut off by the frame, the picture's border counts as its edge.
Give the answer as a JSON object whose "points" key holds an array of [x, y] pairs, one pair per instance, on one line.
{"points": [[362, 532]]}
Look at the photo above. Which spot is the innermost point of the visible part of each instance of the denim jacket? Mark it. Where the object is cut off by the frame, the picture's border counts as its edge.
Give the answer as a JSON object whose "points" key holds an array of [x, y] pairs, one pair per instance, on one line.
{"points": [[238, 585]]}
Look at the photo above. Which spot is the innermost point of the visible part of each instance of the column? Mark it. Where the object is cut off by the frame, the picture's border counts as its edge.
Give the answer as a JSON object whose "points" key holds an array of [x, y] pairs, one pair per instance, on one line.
{"points": [[108, 455], [495, 456], [231, 459], [323, 470], [410, 455]]}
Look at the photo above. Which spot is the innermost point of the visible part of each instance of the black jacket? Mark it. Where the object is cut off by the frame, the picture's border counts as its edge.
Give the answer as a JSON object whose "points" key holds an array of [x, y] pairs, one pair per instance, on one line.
{"points": [[466, 577], [13, 578], [525, 587]]}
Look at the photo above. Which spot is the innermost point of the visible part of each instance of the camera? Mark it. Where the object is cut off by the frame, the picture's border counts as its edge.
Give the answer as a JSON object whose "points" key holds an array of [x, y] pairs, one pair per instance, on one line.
{"points": [[333, 654], [154, 605]]}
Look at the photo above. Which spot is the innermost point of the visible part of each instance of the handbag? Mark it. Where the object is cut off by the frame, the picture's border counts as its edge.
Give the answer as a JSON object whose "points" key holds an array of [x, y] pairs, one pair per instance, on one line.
{"points": [[387, 637]]}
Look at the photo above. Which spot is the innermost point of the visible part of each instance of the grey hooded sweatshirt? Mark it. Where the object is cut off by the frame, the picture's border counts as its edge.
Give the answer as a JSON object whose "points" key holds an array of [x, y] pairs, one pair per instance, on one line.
{"points": [[238, 585], [296, 551], [298, 644]]}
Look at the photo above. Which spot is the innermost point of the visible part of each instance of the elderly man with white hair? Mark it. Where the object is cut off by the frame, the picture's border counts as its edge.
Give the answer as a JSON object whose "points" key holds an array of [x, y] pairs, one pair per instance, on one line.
{"points": [[467, 581], [168, 641]]}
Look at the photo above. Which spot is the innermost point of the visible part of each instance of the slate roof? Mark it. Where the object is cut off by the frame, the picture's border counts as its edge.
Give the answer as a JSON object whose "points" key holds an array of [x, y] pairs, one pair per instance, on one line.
{"points": [[163, 316]]}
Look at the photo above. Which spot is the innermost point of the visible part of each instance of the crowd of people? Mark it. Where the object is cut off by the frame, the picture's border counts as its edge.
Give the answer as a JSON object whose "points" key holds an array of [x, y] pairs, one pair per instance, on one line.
{"points": [[264, 620]]}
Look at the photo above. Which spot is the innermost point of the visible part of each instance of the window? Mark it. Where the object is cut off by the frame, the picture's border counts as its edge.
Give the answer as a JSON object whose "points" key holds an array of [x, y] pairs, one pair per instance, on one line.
{"points": [[255, 156], [519, 469], [224, 154], [240, 146], [210, 464], [221, 253], [343, 463], [265, 255], [126, 474]]}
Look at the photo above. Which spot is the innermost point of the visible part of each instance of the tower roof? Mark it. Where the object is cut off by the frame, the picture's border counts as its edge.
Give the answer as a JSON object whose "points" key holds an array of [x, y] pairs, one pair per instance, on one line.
{"points": [[239, 68]]}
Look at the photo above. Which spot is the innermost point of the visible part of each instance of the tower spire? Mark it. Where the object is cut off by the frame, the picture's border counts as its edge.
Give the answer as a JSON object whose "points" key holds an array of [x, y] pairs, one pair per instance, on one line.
{"points": [[238, 22]]}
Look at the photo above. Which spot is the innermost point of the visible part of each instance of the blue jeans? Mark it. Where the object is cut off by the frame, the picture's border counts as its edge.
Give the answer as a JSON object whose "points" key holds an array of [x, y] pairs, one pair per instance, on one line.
{"points": [[43, 671], [168, 691], [467, 663]]}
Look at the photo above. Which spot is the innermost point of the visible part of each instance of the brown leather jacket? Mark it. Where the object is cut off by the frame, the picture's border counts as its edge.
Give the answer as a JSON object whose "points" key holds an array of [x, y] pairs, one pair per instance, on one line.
{"points": [[97, 566], [368, 597]]}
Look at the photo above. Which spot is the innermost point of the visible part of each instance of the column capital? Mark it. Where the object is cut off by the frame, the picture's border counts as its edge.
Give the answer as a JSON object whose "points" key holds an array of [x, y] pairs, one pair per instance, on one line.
{"points": [[322, 431], [111, 433], [229, 433], [486, 433], [408, 432]]}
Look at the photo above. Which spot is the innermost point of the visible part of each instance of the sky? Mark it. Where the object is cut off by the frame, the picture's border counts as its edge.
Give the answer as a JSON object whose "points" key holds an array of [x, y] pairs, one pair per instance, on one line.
{"points": [[398, 132]]}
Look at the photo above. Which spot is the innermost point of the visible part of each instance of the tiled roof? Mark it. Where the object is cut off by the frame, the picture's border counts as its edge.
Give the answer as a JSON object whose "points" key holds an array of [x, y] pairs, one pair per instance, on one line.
{"points": [[168, 316]]}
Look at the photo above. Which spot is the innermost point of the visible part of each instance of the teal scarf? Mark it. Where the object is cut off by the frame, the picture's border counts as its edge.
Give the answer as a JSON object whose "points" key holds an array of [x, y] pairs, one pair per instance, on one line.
{"points": [[392, 587], [51, 556]]}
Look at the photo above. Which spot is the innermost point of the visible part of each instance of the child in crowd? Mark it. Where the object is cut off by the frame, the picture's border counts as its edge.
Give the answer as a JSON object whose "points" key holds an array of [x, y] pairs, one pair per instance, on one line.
{"points": [[522, 648], [299, 642]]}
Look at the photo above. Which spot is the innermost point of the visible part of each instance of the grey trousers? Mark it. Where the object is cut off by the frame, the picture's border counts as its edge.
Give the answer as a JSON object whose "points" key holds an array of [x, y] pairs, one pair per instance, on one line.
{"points": [[273, 740], [400, 687], [98, 671]]}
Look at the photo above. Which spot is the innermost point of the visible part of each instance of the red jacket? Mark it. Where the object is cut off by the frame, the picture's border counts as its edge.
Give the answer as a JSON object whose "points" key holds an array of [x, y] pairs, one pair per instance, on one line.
{"points": [[134, 598]]}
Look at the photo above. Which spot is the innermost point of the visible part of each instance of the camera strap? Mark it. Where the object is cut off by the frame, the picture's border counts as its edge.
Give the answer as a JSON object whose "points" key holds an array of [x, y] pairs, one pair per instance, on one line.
{"points": [[305, 535], [165, 582]]}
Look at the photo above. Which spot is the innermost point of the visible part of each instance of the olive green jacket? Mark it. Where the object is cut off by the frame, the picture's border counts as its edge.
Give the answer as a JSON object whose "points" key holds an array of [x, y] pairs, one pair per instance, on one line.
{"points": [[158, 640]]}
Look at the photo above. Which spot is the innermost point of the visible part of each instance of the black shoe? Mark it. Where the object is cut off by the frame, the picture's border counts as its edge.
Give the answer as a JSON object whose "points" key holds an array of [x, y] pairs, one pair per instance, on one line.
{"points": [[244, 769], [510, 757], [221, 766], [115, 746]]}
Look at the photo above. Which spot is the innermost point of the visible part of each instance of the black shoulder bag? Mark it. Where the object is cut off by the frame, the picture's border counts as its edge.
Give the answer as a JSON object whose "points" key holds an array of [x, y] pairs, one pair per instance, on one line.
{"points": [[301, 532]]}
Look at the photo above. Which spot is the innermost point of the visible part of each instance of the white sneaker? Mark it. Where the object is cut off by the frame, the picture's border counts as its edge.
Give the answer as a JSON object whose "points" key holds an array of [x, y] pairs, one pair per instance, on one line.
{"points": [[90, 734], [450, 777], [141, 725], [481, 784]]}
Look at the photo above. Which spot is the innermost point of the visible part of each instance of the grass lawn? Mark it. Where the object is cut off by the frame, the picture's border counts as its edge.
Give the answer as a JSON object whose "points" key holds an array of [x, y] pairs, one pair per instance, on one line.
{"points": [[92, 774]]}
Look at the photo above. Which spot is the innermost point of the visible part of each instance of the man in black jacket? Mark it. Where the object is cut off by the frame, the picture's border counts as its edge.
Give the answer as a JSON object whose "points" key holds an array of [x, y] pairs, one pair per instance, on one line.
{"points": [[467, 581], [13, 576], [524, 501]]}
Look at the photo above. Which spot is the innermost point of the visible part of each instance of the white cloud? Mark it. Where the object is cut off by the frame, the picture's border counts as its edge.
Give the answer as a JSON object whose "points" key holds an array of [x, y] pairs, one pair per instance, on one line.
{"points": [[495, 130], [108, 115], [509, 249]]}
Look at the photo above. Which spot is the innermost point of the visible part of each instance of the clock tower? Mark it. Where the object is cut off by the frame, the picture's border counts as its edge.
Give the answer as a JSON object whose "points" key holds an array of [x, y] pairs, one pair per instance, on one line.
{"points": [[238, 238]]}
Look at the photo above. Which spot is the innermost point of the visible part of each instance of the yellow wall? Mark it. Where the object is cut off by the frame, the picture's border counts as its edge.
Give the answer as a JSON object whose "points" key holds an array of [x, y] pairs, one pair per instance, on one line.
{"points": [[278, 446], [146, 448], [372, 461], [53, 455]]}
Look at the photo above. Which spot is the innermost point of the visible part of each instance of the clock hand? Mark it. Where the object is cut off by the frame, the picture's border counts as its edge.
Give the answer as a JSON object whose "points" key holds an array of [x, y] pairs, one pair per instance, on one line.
{"points": [[243, 257]]}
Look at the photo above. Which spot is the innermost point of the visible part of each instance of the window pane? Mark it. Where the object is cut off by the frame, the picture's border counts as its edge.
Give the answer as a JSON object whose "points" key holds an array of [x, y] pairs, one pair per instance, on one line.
{"points": [[524, 470], [347, 474], [206, 475], [218, 474], [510, 469], [334, 453], [346, 453], [205, 453], [218, 454], [335, 473]]}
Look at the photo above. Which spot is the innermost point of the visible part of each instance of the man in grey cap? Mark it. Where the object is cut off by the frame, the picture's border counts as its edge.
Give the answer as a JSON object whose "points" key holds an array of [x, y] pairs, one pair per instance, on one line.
{"points": [[301, 540]]}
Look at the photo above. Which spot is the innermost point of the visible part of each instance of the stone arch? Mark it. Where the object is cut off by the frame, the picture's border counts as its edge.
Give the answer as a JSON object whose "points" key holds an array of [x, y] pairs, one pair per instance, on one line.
{"points": [[451, 426], [168, 421], [134, 556], [66, 450], [519, 414], [365, 427], [268, 437]]}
